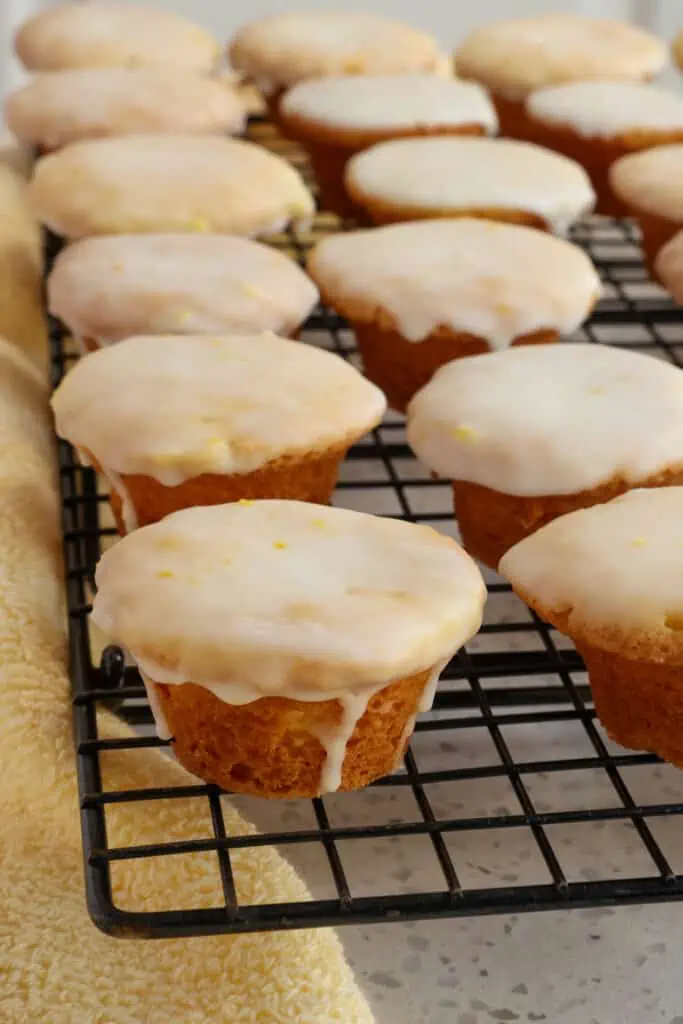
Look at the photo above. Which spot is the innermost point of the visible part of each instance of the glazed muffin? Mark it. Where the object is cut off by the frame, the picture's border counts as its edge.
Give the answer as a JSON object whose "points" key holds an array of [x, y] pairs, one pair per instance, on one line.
{"points": [[421, 294], [281, 50], [531, 434], [143, 184], [59, 107], [338, 116], [179, 420], [287, 648], [610, 577], [512, 58], [498, 179], [597, 123], [109, 35], [650, 184], [107, 289]]}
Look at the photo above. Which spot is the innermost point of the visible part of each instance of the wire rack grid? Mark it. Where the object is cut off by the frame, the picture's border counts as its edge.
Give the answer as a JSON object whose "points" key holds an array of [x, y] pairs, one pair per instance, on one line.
{"points": [[511, 720]]}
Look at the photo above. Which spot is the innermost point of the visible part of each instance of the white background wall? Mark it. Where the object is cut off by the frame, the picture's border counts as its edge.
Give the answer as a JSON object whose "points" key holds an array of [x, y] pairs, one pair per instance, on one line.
{"points": [[448, 19]]}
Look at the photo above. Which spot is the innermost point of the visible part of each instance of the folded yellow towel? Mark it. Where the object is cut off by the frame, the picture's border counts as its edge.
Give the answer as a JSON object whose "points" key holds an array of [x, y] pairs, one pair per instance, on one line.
{"points": [[55, 966], [21, 315]]}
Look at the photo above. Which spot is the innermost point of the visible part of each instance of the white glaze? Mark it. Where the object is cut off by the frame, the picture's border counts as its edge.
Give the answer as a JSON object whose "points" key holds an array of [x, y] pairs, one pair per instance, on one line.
{"points": [[495, 281], [56, 108], [550, 419], [287, 596], [162, 727], [129, 516], [283, 49], [448, 173], [173, 407], [367, 102], [651, 180], [606, 109], [429, 691], [141, 184], [115, 287], [116, 35], [616, 570], [515, 56], [335, 741]]}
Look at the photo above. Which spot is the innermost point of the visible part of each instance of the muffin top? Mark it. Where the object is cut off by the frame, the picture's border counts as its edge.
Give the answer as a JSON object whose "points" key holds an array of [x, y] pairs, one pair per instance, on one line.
{"points": [[468, 173], [611, 574], [550, 419], [651, 180], [108, 35], [176, 406], [139, 184], [607, 109], [495, 281], [669, 266], [280, 50], [516, 56], [383, 103], [287, 598], [59, 107], [111, 288]]}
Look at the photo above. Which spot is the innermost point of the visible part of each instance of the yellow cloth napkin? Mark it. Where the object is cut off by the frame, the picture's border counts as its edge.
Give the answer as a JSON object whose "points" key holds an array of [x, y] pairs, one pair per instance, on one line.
{"points": [[55, 966]]}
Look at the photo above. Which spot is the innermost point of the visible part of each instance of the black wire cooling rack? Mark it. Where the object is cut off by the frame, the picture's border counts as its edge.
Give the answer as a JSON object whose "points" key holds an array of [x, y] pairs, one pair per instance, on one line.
{"points": [[512, 719]]}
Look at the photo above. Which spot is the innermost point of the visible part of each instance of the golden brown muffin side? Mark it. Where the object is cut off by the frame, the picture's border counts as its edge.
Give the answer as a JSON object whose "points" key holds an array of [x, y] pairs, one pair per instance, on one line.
{"points": [[640, 703], [379, 212], [400, 368], [597, 154], [269, 747], [308, 477], [491, 522]]}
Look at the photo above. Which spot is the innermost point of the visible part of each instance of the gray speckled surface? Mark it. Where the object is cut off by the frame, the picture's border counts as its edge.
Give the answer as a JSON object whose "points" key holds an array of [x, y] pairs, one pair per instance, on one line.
{"points": [[595, 966], [579, 967]]}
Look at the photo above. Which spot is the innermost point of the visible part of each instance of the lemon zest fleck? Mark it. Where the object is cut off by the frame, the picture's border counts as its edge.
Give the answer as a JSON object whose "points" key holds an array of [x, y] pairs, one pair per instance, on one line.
{"points": [[464, 433], [198, 224]]}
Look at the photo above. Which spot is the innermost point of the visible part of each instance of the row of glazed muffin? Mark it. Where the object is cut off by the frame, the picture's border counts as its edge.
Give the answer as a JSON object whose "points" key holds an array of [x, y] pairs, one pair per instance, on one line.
{"points": [[325, 700], [571, 83], [511, 57], [286, 647], [171, 182], [362, 90]]}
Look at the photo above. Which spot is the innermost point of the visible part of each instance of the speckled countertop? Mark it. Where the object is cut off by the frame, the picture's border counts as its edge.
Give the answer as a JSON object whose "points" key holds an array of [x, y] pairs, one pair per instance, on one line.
{"points": [[595, 966]]}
